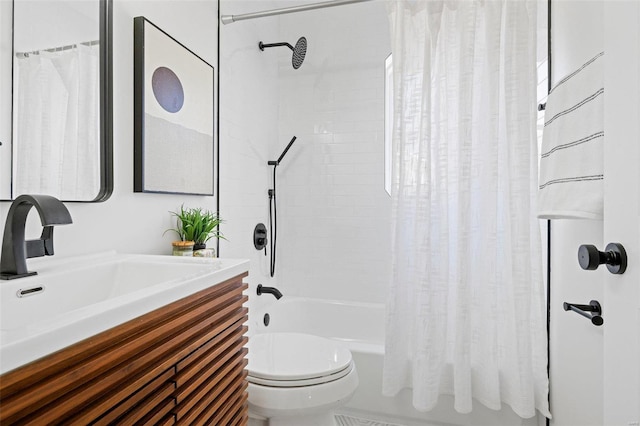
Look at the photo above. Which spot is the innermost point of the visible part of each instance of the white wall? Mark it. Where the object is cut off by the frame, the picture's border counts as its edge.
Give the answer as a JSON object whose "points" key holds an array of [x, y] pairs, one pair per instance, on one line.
{"points": [[46, 24], [5, 100], [248, 124], [333, 211], [622, 211], [129, 222]]}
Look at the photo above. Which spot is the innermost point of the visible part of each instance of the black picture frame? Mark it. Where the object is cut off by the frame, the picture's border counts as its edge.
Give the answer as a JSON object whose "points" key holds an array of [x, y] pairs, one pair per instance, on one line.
{"points": [[174, 138]]}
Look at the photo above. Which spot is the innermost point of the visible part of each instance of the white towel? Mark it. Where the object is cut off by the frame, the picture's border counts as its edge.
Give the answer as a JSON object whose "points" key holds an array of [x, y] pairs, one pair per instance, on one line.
{"points": [[571, 158]]}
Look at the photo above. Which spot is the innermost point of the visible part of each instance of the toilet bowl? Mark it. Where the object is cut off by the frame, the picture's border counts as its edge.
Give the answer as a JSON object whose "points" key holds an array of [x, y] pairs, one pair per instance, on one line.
{"points": [[298, 379]]}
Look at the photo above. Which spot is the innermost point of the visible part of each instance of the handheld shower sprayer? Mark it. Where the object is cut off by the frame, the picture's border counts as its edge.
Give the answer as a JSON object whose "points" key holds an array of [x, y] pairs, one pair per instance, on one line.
{"points": [[299, 51], [273, 216], [277, 162]]}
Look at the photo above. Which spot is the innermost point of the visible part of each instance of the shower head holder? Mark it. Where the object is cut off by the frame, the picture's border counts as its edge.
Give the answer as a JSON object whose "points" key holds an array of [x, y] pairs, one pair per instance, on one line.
{"points": [[299, 51], [262, 46]]}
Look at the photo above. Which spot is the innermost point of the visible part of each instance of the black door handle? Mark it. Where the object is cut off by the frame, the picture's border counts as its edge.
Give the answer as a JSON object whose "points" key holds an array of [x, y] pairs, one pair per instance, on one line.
{"points": [[614, 256], [593, 306]]}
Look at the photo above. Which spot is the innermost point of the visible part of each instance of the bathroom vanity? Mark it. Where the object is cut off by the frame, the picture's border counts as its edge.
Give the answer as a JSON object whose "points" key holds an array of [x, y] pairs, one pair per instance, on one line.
{"points": [[178, 362]]}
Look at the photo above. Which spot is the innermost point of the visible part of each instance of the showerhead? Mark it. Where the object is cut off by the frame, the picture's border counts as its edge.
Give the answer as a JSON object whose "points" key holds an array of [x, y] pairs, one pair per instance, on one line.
{"points": [[299, 51]]}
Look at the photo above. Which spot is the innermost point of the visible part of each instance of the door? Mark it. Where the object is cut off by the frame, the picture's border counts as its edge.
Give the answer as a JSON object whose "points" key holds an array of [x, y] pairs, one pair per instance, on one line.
{"points": [[621, 307], [576, 346], [595, 371]]}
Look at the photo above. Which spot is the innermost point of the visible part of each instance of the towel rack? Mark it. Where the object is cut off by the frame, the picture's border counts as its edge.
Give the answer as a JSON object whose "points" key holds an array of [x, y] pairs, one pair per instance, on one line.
{"points": [[593, 306]]}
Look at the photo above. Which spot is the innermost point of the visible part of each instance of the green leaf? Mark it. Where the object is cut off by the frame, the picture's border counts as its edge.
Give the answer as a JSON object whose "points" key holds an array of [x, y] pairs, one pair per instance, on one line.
{"points": [[196, 224]]}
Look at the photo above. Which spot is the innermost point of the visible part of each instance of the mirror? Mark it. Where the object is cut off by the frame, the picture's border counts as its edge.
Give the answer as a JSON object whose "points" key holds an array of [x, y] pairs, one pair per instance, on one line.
{"points": [[61, 109]]}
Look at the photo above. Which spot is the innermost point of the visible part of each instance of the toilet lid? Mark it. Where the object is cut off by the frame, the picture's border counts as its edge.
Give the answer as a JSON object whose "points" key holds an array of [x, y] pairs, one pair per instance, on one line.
{"points": [[301, 382], [295, 356]]}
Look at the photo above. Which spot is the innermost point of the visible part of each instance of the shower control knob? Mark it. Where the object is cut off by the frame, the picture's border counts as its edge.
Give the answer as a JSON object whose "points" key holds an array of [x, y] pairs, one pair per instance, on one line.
{"points": [[614, 256], [260, 236]]}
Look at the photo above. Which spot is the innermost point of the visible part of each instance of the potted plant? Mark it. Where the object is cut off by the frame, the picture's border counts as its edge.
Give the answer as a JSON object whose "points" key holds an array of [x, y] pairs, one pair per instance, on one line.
{"points": [[197, 225]]}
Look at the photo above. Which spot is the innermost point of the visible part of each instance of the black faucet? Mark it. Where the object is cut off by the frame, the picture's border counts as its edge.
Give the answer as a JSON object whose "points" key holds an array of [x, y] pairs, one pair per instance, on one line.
{"points": [[15, 249], [269, 290]]}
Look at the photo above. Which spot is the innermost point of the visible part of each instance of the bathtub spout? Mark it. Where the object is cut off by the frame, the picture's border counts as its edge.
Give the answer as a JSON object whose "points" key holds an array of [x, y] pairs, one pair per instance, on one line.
{"points": [[271, 290]]}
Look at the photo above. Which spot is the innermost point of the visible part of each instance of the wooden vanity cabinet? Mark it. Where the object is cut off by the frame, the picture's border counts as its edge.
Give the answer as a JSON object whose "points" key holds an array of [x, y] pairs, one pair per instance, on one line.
{"points": [[184, 363]]}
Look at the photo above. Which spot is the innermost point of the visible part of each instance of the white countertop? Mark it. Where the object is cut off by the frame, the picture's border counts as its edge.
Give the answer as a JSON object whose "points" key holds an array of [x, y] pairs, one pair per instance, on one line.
{"points": [[86, 295]]}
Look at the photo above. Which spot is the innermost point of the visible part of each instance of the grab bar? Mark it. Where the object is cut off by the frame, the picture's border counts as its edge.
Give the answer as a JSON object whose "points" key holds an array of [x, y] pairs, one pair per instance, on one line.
{"points": [[593, 306]]}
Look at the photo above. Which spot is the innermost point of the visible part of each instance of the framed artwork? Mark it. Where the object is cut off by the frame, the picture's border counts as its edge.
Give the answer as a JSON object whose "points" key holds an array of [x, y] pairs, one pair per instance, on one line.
{"points": [[173, 115]]}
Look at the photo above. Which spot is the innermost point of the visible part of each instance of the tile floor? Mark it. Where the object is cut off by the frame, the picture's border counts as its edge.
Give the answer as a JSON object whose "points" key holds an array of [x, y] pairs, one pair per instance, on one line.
{"points": [[343, 420]]}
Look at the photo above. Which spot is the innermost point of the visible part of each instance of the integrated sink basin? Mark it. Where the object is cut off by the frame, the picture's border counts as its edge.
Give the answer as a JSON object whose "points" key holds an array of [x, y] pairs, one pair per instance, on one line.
{"points": [[75, 298]]}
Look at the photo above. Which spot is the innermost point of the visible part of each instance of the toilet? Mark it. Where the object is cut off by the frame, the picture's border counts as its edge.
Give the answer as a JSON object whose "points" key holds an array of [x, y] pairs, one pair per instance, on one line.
{"points": [[298, 379]]}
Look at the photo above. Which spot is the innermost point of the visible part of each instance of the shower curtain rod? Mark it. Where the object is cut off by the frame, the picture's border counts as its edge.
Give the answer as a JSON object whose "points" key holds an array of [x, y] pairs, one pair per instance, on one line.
{"points": [[227, 19], [57, 49]]}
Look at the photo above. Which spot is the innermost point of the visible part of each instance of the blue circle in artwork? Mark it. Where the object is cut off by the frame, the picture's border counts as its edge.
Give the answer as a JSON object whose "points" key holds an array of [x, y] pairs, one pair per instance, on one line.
{"points": [[167, 89]]}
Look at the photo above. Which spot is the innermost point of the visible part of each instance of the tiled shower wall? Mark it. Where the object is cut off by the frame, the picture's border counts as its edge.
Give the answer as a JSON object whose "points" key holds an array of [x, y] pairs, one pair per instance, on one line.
{"points": [[333, 211], [248, 122]]}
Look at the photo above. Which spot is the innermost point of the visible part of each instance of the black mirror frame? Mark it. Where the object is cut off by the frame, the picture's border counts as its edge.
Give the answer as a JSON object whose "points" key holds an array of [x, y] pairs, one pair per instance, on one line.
{"points": [[106, 106], [106, 101]]}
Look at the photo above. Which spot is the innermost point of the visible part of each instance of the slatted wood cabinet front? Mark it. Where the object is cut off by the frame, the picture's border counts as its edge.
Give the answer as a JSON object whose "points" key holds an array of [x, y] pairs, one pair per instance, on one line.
{"points": [[181, 364]]}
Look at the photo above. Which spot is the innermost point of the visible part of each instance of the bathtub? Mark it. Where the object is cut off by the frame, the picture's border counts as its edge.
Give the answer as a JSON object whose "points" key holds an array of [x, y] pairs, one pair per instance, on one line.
{"points": [[360, 326]]}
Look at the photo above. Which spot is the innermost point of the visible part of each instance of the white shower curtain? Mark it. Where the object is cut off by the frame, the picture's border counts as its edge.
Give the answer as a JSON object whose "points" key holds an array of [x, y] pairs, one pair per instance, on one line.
{"points": [[57, 129], [466, 311]]}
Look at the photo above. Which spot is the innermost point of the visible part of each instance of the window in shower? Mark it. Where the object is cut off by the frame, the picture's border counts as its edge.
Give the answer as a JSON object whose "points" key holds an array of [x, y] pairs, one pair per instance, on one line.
{"points": [[388, 121]]}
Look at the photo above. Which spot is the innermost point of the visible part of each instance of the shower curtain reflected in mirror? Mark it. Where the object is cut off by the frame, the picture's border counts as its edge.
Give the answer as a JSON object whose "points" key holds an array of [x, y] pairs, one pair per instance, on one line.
{"points": [[57, 123], [466, 312]]}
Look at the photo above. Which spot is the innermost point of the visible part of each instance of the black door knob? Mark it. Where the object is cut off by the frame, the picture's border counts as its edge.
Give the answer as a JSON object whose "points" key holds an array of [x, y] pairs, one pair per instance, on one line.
{"points": [[614, 256]]}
